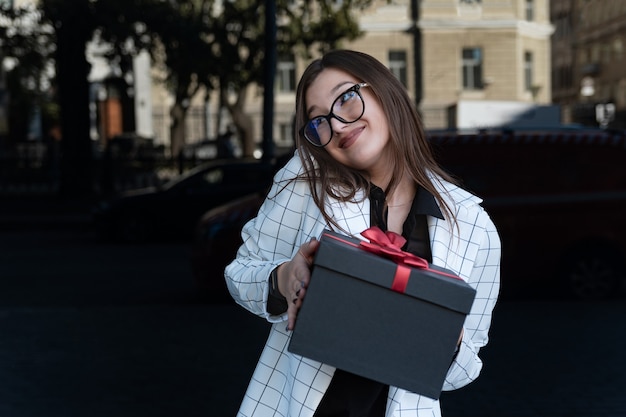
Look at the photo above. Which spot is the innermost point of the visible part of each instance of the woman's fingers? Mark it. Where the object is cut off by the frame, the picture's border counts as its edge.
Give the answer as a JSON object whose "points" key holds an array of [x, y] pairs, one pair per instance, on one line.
{"points": [[299, 276]]}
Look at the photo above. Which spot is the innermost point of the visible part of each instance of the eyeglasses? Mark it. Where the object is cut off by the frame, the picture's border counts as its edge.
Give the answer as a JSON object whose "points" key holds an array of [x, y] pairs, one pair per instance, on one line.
{"points": [[348, 107]]}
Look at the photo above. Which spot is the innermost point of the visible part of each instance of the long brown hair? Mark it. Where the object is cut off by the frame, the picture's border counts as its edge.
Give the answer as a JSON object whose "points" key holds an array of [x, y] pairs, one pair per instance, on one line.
{"points": [[411, 151]]}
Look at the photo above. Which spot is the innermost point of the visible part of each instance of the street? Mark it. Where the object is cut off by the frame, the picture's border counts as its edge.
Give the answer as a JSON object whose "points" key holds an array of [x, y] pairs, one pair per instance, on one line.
{"points": [[91, 329]]}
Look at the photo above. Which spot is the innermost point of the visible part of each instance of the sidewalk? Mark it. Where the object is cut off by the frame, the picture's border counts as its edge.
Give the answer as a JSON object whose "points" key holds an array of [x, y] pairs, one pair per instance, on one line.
{"points": [[48, 211], [97, 330]]}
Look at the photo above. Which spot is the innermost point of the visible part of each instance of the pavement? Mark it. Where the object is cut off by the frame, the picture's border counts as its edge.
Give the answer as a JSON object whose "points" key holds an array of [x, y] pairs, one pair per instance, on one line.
{"points": [[89, 329]]}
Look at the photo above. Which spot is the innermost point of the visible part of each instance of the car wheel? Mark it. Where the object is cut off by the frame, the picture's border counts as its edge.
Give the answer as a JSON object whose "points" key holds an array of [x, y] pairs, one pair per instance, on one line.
{"points": [[593, 272]]}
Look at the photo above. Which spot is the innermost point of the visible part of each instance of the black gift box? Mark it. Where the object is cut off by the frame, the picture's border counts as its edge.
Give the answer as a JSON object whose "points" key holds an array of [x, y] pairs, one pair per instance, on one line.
{"points": [[351, 318]]}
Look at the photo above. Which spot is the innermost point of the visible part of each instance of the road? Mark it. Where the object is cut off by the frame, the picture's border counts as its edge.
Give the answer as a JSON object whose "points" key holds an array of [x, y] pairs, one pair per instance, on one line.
{"points": [[91, 329]]}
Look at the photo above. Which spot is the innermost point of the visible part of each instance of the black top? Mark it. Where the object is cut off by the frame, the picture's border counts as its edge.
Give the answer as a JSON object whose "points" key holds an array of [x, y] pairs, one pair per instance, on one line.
{"points": [[350, 395]]}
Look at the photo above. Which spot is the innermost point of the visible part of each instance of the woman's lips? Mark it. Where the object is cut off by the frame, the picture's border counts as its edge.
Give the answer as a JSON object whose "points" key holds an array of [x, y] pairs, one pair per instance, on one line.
{"points": [[350, 138]]}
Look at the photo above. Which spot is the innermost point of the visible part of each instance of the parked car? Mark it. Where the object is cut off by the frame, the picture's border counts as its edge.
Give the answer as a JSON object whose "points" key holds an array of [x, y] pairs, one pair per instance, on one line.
{"points": [[173, 210], [557, 197], [133, 146], [217, 238]]}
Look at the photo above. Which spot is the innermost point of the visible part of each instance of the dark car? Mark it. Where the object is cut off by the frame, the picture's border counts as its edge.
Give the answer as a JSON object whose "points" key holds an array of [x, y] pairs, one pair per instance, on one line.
{"points": [[217, 238], [173, 210], [557, 197]]}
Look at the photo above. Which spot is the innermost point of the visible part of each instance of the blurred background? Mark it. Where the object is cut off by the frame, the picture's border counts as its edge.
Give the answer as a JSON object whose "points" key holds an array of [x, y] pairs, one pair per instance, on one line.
{"points": [[138, 136]]}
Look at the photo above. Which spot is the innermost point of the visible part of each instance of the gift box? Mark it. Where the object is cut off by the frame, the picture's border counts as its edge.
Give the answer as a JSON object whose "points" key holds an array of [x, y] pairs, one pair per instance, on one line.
{"points": [[381, 313]]}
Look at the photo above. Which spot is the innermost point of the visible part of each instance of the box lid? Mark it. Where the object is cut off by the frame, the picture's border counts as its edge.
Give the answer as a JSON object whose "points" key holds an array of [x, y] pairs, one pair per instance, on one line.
{"points": [[433, 284]]}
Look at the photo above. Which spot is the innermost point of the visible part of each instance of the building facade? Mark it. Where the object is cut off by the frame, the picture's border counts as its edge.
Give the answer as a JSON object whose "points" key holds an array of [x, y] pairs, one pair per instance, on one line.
{"points": [[589, 60], [465, 50], [483, 50], [444, 51]]}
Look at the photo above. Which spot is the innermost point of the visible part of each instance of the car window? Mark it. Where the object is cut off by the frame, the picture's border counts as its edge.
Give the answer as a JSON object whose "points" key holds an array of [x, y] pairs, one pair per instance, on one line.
{"points": [[238, 175], [214, 176], [206, 181], [233, 176]]}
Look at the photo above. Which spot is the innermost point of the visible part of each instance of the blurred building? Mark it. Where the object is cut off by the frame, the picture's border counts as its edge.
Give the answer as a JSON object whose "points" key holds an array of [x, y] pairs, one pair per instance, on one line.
{"points": [[448, 52], [588, 61], [120, 102], [471, 50]]}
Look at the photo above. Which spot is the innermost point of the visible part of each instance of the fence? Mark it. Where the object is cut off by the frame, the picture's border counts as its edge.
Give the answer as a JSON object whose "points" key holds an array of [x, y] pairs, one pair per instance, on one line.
{"points": [[34, 168]]}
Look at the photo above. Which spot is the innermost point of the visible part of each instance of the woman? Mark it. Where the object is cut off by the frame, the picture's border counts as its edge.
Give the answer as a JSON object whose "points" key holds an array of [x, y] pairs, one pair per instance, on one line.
{"points": [[362, 159]]}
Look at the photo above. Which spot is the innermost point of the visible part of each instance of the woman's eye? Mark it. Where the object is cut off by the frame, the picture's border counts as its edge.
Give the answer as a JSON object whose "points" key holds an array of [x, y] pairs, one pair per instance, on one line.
{"points": [[347, 96], [317, 121]]}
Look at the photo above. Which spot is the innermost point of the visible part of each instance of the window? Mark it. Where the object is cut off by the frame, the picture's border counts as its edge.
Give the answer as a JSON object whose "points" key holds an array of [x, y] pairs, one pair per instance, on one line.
{"points": [[562, 77], [397, 65], [286, 73], [530, 10], [528, 71], [472, 69], [286, 134]]}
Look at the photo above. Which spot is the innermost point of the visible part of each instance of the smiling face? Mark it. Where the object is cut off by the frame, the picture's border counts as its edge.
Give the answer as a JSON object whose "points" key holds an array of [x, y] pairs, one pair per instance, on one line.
{"points": [[359, 145]]}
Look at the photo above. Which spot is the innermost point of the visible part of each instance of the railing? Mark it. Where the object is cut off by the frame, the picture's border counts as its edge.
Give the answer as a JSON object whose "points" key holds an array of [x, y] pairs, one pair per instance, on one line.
{"points": [[35, 169]]}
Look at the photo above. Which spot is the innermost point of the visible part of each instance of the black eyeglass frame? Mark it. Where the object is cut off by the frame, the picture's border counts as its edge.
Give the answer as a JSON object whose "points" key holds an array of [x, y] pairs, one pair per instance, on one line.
{"points": [[357, 89]]}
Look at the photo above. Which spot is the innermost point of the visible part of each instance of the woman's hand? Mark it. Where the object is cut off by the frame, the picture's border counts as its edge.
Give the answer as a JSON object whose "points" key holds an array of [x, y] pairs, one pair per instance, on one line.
{"points": [[293, 279]]}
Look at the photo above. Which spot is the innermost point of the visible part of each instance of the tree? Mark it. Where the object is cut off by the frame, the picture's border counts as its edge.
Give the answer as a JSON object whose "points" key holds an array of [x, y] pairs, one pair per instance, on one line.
{"points": [[220, 45], [25, 49], [215, 44], [310, 27], [75, 24], [176, 31], [184, 47]]}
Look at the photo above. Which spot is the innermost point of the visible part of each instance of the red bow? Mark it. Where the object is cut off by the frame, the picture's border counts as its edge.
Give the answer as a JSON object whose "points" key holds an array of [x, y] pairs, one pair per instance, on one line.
{"points": [[388, 244]]}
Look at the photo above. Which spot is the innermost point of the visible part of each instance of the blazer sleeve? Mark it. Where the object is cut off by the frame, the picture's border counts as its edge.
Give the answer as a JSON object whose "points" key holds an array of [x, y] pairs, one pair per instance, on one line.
{"points": [[485, 278], [269, 239]]}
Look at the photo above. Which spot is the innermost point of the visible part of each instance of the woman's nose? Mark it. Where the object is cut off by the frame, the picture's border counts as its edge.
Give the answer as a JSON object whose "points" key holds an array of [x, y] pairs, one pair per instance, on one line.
{"points": [[337, 125]]}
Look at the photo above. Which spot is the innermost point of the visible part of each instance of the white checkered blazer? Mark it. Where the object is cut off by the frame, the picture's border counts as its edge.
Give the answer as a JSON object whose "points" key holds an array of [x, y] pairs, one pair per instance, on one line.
{"points": [[284, 384]]}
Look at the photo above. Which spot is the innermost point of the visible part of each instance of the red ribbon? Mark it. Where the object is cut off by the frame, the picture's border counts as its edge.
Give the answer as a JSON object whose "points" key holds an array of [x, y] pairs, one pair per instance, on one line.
{"points": [[388, 244]]}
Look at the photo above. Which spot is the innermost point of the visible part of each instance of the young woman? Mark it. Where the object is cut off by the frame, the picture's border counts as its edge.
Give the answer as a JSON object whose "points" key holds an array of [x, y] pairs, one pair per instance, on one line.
{"points": [[362, 159]]}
